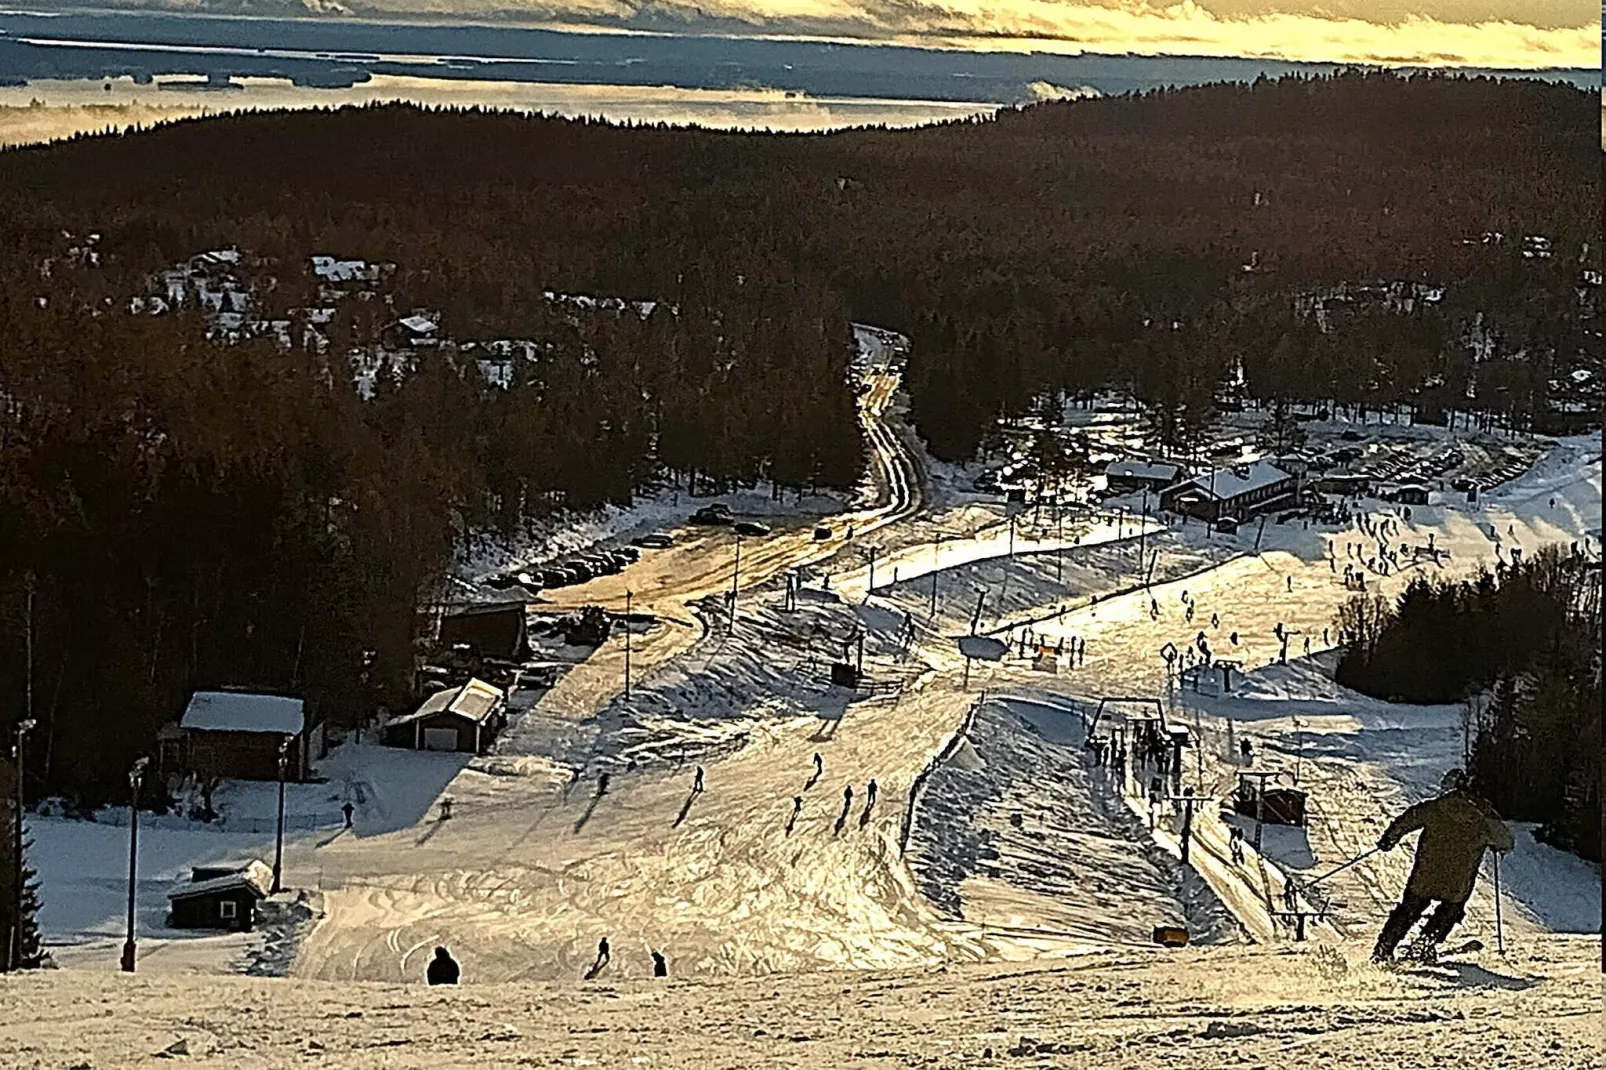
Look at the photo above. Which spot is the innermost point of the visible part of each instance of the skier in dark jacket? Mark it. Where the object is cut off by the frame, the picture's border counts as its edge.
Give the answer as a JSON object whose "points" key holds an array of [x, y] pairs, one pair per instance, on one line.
{"points": [[1456, 829], [442, 968]]}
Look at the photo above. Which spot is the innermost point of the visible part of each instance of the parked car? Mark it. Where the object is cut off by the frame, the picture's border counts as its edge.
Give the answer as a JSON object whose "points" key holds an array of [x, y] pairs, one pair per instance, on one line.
{"points": [[712, 514], [751, 527], [822, 532], [556, 576], [1351, 436], [502, 582], [657, 540], [629, 553], [580, 570], [529, 582]]}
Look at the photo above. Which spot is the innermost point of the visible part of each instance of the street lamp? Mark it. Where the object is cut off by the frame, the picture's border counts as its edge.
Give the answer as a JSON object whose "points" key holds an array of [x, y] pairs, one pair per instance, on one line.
{"points": [[135, 776], [736, 575], [278, 840], [13, 955], [627, 643]]}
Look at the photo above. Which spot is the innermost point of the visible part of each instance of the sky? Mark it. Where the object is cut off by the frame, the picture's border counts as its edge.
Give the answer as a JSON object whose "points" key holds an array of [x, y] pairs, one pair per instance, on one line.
{"points": [[1520, 34]]}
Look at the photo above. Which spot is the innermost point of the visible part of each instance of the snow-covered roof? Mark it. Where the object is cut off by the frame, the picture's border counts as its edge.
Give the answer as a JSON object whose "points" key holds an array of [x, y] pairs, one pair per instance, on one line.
{"points": [[1227, 483], [474, 701], [330, 269], [418, 324], [1141, 470], [242, 711], [254, 876]]}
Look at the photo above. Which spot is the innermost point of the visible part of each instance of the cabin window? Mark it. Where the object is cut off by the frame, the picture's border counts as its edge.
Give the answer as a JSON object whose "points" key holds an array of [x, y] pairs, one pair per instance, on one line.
{"points": [[228, 909]]}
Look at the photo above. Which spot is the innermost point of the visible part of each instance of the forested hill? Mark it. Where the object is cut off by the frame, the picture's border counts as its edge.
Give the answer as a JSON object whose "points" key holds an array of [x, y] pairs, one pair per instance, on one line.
{"points": [[192, 511]]}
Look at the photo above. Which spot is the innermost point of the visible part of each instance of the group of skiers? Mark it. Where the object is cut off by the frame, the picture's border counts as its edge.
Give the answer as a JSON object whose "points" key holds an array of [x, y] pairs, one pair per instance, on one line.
{"points": [[444, 970]]}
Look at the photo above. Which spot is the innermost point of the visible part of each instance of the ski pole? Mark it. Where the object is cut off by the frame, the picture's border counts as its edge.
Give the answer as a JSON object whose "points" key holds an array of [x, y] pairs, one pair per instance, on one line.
{"points": [[1346, 865], [1499, 928]]}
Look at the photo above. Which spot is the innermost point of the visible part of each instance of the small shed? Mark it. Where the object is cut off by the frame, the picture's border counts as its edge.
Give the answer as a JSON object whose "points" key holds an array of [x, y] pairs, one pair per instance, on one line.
{"points": [[463, 719], [1409, 494], [492, 629], [236, 733], [220, 897]]}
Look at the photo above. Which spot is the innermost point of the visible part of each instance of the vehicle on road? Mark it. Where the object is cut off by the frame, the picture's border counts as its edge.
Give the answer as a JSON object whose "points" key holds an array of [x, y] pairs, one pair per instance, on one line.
{"points": [[657, 540], [501, 582], [822, 532], [751, 527], [718, 513]]}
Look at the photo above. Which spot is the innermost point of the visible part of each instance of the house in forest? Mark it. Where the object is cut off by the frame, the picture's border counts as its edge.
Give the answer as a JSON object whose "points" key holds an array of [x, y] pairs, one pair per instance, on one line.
{"points": [[412, 332], [463, 719], [492, 629], [1131, 476], [1235, 493], [220, 897], [237, 733]]}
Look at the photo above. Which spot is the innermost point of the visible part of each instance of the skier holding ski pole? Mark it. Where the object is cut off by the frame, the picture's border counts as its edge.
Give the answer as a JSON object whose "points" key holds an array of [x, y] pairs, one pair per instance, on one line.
{"points": [[1456, 829]]}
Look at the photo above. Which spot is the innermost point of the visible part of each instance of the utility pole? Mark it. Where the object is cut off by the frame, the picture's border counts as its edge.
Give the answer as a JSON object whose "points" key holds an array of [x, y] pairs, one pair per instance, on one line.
{"points": [[736, 575], [1188, 800], [13, 955], [1299, 748], [627, 640], [870, 590], [135, 776], [278, 839]]}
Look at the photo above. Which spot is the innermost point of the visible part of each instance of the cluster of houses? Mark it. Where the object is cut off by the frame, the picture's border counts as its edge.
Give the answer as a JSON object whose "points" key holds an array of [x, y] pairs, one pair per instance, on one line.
{"points": [[236, 733]]}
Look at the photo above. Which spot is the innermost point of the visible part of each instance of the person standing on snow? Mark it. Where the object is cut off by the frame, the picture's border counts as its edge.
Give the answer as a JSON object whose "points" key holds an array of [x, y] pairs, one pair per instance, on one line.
{"points": [[1456, 829], [697, 781], [443, 969]]}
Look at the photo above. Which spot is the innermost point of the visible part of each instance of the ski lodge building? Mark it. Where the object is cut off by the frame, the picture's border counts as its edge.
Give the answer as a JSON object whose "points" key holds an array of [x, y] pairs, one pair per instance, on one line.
{"points": [[1231, 493], [462, 719]]}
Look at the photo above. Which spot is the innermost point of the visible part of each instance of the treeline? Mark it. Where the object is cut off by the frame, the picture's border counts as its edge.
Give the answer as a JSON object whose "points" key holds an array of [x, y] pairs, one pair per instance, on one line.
{"points": [[188, 513], [1521, 646]]}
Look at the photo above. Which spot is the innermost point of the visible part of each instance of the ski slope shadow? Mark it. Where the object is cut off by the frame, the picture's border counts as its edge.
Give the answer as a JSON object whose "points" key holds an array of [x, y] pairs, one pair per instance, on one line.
{"points": [[591, 808], [685, 808], [1471, 975]]}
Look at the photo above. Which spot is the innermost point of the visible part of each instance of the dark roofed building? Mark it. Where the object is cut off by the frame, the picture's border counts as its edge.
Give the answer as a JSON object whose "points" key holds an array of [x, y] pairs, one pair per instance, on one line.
{"points": [[1234, 493], [231, 733], [1141, 475], [220, 897], [463, 719], [494, 630]]}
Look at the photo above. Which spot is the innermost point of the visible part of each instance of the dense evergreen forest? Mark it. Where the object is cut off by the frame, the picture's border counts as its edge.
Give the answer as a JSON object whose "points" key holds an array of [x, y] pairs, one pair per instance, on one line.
{"points": [[177, 511], [1521, 647]]}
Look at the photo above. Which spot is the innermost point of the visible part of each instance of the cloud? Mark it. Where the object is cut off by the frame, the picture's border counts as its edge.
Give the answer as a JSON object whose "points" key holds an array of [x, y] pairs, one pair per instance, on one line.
{"points": [[1044, 91]]}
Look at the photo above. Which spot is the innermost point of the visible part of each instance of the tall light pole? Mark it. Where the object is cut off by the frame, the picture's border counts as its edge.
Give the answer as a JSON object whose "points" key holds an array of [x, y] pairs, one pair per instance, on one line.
{"points": [[278, 839], [13, 957], [736, 577], [135, 776], [627, 643]]}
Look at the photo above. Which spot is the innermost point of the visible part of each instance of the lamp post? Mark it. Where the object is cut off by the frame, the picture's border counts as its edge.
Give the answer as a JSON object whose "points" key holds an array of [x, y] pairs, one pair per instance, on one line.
{"points": [[736, 577], [135, 776], [278, 839], [13, 956], [627, 643]]}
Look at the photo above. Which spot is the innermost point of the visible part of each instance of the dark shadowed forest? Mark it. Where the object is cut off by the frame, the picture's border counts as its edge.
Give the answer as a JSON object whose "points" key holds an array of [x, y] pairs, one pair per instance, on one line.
{"points": [[1521, 647], [185, 511]]}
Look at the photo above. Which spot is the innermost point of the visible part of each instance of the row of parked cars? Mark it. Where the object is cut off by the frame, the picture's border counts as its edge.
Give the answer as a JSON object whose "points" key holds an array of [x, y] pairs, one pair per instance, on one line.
{"points": [[576, 569]]}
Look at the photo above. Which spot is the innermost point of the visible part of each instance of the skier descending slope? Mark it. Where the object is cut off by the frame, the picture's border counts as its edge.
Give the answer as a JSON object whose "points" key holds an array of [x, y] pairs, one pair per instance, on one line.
{"points": [[1456, 828]]}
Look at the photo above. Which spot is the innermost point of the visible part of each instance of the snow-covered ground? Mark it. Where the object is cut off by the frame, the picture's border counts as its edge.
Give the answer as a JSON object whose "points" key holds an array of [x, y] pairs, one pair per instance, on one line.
{"points": [[1139, 1009], [772, 869]]}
